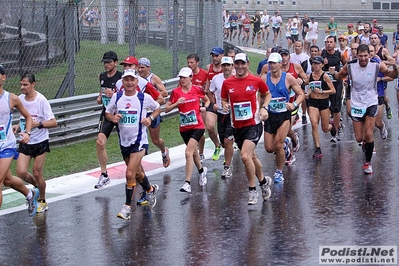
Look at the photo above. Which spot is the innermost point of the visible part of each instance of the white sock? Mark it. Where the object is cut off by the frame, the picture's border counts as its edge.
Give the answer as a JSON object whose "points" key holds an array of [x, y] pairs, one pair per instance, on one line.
{"points": [[29, 196]]}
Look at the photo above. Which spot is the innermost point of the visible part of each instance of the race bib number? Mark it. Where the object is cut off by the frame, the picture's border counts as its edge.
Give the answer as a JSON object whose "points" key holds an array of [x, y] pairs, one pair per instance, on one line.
{"points": [[358, 112], [3, 134], [277, 105], [294, 31], [129, 118], [396, 42], [188, 119], [276, 25], [247, 26], [332, 77], [22, 124], [315, 85], [233, 24], [105, 100], [242, 111]]}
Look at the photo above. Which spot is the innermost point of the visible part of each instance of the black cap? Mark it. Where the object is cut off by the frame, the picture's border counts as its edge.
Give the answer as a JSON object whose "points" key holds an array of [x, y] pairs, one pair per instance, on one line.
{"points": [[276, 49], [109, 57], [284, 51], [2, 70], [317, 60]]}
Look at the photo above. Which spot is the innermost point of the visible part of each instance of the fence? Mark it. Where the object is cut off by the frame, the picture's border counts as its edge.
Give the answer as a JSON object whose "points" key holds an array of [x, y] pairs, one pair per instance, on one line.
{"points": [[62, 41]]}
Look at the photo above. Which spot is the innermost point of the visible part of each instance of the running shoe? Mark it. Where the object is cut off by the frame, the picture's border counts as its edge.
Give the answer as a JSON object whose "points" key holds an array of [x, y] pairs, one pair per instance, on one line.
{"points": [[290, 160], [226, 172], [202, 158], [266, 192], [216, 154], [389, 112], [42, 207], [317, 153], [367, 168], [186, 188], [333, 129], [125, 212], [383, 131], [278, 177], [102, 181], [304, 120], [252, 197], [296, 144], [148, 198], [166, 158], [296, 119], [334, 139], [202, 180], [340, 134], [32, 202]]}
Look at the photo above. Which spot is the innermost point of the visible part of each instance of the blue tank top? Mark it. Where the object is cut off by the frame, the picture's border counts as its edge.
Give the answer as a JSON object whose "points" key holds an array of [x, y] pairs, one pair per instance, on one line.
{"points": [[279, 89]]}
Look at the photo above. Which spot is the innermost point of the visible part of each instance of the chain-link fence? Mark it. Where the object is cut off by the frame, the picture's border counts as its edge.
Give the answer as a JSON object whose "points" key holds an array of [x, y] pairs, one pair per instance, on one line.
{"points": [[62, 42]]}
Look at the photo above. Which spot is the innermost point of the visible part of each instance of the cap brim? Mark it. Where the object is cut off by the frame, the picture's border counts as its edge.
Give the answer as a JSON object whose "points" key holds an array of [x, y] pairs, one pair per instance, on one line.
{"points": [[107, 60]]}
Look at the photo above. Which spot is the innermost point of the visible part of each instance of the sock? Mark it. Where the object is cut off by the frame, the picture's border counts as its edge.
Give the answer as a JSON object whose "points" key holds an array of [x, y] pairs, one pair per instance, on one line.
{"points": [[29, 196], [262, 182], [129, 195], [42, 200], [105, 174], [226, 167], [188, 182], [252, 188], [145, 184], [369, 150], [201, 170]]}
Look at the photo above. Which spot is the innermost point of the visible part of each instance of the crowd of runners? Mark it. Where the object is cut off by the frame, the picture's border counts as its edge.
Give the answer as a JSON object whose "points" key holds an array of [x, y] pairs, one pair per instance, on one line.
{"points": [[234, 106]]}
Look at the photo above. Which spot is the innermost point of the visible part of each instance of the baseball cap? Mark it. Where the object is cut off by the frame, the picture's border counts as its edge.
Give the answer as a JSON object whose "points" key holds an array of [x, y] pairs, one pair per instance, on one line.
{"points": [[374, 20], [317, 60], [130, 72], [241, 57], [275, 57], [350, 25], [380, 27], [110, 56], [2, 70], [295, 20], [185, 72], [342, 37], [130, 60], [284, 51], [217, 50], [296, 13], [312, 18], [361, 28], [227, 60], [144, 61], [276, 49]]}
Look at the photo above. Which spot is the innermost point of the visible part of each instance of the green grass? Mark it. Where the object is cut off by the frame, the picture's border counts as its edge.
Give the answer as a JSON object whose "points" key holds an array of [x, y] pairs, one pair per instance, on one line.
{"points": [[82, 156]]}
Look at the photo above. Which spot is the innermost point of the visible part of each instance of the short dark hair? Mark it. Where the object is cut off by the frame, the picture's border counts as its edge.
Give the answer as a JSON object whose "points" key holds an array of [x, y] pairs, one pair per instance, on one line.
{"points": [[28, 75], [363, 48], [314, 46], [195, 56]]}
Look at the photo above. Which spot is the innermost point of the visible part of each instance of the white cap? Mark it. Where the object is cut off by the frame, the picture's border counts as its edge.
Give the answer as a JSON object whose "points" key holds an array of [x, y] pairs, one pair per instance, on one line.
{"points": [[241, 56], [295, 20], [185, 72], [361, 27], [275, 57], [227, 60], [130, 72]]}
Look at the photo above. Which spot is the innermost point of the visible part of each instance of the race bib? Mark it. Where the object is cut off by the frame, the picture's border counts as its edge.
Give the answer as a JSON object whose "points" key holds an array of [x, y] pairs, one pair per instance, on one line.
{"points": [[315, 85], [358, 112], [22, 124], [396, 42], [247, 26], [129, 117], [188, 119], [294, 31], [3, 134], [276, 25], [233, 24], [242, 111], [105, 100], [277, 105]]}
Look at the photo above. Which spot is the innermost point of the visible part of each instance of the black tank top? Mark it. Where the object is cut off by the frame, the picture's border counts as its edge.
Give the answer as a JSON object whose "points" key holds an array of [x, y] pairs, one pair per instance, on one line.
{"points": [[324, 85], [379, 53], [333, 60], [106, 82]]}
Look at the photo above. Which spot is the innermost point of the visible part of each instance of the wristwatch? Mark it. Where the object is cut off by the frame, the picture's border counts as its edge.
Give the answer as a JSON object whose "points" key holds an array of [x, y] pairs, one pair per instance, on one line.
{"points": [[28, 132], [265, 107], [152, 118], [40, 125]]}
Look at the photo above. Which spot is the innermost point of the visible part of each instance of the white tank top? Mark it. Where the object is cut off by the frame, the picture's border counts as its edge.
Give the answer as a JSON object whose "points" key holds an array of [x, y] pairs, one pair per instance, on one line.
{"points": [[7, 138]]}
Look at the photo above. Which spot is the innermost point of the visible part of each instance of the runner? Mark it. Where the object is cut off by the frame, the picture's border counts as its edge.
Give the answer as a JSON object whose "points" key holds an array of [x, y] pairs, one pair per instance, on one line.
{"points": [[312, 32], [256, 30], [287, 31], [240, 95], [276, 24], [305, 26], [108, 80], [8, 147], [38, 145], [265, 25], [395, 38], [241, 17], [332, 28], [225, 131], [187, 99], [226, 25], [233, 19], [128, 109], [351, 34], [320, 87], [159, 15], [278, 124], [364, 97], [294, 30], [246, 23]]}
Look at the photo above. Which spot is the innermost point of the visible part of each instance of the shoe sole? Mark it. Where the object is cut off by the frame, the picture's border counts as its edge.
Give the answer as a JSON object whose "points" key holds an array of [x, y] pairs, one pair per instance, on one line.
{"points": [[123, 217], [35, 203], [183, 190], [41, 211]]}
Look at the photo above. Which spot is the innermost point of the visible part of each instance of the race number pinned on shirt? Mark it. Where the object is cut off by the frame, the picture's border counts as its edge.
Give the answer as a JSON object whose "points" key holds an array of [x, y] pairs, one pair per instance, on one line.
{"points": [[315, 85], [105, 100], [3, 134], [358, 112], [22, 124], [277, 105], [188, 119], [129, 117], [242, 111]]}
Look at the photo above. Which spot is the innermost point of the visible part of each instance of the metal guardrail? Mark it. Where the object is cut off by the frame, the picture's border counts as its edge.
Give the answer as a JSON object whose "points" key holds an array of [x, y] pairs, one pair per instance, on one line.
{"points": [[78, 116]]}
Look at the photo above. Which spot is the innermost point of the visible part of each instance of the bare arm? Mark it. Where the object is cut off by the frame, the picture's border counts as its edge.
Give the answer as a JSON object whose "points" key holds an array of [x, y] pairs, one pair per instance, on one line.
{"points": [[159, 85], [16, 102]]}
